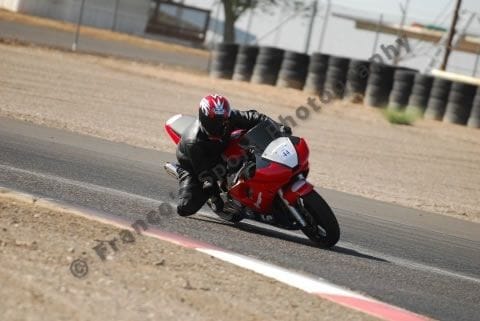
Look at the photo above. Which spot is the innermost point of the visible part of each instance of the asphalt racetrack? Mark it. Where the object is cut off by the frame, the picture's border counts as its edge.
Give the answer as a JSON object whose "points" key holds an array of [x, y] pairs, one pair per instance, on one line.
{"points": [[47, 36], [426, 263]]}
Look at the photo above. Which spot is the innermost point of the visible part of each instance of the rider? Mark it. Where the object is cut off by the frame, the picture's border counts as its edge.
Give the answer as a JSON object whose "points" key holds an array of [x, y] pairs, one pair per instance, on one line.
{"points": [[201, 147]]}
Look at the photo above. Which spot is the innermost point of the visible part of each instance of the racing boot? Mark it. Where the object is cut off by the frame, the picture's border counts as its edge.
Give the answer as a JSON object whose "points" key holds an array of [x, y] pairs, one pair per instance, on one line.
{"points": [[216, 203]]}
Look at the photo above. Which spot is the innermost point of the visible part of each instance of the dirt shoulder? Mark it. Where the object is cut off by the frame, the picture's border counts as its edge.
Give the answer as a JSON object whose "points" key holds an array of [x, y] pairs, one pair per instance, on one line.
{"points": [[430, 166], [143, 280]]}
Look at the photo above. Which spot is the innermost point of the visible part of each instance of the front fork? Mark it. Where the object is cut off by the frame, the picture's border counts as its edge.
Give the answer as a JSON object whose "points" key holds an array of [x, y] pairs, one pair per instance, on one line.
{"points": [[292, 195]]}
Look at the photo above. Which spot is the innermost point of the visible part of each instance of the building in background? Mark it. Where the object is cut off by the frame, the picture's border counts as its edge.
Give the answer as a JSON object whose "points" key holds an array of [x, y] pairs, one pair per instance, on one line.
{"points": [[129, 16], [202, 21]]}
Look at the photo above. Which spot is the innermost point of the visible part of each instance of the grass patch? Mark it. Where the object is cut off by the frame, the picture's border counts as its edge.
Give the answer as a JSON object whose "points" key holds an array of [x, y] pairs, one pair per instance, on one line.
{"points": [[400, 117]]}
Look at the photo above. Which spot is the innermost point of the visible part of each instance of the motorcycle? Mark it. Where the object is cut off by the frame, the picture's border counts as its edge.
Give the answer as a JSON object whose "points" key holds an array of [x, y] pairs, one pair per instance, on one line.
{"points": [[265, 179]]}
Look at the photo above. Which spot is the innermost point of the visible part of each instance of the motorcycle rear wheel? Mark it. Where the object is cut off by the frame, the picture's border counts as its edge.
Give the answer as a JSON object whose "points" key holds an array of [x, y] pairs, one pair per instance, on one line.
{"points": [[322, 226]]}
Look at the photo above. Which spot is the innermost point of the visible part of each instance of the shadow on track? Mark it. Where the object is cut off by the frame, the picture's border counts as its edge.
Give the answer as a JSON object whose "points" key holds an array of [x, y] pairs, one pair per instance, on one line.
{"points": [[258, 230]]}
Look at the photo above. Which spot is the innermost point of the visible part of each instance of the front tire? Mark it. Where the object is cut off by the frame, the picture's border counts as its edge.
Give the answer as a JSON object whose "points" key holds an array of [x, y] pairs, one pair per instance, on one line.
{"points": [[322, 226]]}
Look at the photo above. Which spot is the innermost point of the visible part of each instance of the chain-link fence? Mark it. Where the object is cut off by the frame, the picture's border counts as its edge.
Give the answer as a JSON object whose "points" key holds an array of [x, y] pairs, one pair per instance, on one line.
{"points": [[128, 16]]}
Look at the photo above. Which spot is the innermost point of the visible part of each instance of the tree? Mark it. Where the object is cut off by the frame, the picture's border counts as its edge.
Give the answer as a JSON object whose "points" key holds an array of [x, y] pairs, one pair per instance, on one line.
{"points": [[233, 9]]}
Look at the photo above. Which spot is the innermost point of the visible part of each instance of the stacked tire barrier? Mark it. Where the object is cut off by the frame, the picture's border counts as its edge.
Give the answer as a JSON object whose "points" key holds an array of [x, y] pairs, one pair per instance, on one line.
{"points": [[357, 77], [418, 100], [474, 119], [317, 71], [336, 77], [459, 104], [223, 60], [245, 62], [401, 89], [379, 85], [293, 70], [437, 101], [267, 65]]}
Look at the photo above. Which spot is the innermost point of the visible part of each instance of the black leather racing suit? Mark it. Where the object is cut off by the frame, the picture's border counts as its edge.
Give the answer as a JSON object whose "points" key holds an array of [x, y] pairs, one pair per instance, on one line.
{"points": [[198, 155]]}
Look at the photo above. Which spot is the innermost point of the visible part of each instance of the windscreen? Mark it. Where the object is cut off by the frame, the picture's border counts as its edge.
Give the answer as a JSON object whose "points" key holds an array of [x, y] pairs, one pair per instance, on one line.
{"points": [[261, 136]]}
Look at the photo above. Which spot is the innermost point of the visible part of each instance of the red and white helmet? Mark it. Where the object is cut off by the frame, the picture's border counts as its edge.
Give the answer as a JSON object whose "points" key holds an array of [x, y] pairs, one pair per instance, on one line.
{"points": [[214, 113]]}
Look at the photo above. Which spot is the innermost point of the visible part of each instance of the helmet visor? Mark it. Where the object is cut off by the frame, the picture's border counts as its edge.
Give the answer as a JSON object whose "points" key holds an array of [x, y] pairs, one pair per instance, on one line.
{"points": [[216, 127]]}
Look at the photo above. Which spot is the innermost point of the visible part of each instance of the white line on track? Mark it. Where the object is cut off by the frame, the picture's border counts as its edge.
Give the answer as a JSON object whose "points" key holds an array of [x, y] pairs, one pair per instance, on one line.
{"points": [[390, 258], [101, 189], [79, 184]]}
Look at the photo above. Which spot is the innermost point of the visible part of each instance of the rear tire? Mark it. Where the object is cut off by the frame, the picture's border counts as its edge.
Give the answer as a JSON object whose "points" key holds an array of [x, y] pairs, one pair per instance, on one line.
{"points": [[322, 226]]}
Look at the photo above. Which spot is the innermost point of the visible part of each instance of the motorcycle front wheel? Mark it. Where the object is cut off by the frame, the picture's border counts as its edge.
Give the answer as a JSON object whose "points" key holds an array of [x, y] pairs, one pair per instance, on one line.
{"points": [[322, 226]]}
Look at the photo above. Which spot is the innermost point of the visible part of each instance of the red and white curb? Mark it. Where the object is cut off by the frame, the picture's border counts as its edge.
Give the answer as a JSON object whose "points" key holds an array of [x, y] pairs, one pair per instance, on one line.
{"points": [[309, 284]]}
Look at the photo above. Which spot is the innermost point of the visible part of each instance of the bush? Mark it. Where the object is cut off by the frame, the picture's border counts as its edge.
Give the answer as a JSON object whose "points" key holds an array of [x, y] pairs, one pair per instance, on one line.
{"points": [[401, 117]]}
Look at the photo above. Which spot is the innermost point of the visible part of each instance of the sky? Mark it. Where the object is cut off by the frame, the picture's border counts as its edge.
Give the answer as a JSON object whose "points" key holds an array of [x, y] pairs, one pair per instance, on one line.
{"points": [[341, 37]]}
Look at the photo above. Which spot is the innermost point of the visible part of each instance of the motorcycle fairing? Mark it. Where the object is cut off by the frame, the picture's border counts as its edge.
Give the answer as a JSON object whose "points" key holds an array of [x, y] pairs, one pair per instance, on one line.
{"points": [[295, 190], [282, 151], [177, 124]]}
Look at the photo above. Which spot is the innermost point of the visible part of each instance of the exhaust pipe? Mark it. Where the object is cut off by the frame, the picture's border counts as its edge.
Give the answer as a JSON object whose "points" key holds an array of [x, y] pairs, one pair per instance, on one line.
{"points": [[171, 170]]}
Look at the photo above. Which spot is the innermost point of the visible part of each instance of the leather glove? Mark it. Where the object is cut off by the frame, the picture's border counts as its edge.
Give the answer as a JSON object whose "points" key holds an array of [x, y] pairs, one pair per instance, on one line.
{"points": [[211, 188], [286, 130]]}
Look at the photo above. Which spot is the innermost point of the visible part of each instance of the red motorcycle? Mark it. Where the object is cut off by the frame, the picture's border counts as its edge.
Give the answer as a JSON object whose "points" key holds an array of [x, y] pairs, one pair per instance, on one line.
{"points": [[264, 179]]}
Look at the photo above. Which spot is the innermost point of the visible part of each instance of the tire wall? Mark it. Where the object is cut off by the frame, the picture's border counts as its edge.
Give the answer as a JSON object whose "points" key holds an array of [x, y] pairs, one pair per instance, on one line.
{"points": [[357, 78], [401, 89], [245, 62], [317, 71], [267, 65], [474, 118], [437, 101], [336, 77], [459, 104], [223, 60], [379, 85], [293, 70], [418, 99]]}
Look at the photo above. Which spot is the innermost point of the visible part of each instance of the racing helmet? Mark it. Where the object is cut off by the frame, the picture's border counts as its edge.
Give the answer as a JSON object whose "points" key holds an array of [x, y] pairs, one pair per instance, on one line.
{"points": [[214, 114]]}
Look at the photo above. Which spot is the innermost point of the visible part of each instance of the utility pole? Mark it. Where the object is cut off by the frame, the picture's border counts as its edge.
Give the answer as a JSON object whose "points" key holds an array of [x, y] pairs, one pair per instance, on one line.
{"points": [[310, 26], [477, 59], [214, 35], [400, 29], [276, 39], [79, 23], [115, 13], [324, 26], [377, 34], [451, 33], [249, 25]]}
